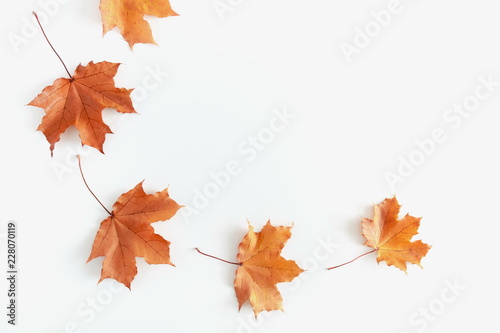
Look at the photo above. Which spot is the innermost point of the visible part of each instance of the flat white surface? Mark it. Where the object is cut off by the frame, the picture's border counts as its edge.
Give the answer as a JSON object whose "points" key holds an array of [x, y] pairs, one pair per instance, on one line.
{"points": [[352, 124]]}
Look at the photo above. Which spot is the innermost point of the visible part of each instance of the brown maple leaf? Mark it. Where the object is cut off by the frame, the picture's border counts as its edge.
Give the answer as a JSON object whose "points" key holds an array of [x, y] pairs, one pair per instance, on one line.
{"points": [[391, 237], [127, 233], [262, 267], [128, 16], [79, 101]]}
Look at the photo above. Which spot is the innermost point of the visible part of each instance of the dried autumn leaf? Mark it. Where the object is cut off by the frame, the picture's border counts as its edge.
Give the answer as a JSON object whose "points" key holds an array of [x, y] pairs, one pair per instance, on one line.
{"points": [[79, 101], [128, 16], [262, 267], [128, 233], [392, 237]]}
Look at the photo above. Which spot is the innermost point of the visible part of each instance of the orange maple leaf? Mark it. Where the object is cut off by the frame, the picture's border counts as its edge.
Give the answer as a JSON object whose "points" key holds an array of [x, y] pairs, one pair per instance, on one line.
{"points": [[262, 267], [128, 16], [127, 233], [391, 238], [79, 101]]}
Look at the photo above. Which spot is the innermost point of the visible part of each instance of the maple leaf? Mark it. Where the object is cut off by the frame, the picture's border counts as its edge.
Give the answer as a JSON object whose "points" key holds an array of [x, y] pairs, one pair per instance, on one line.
{"points": [[79, 101], [262, 267], [391, 238], [127, 233], [128, 16]]}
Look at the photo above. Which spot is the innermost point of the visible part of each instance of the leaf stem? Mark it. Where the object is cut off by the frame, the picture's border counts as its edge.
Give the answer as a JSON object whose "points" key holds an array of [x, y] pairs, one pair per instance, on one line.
{"points": [[208, 255], [83, 177], [66, 68], [364, 254]]}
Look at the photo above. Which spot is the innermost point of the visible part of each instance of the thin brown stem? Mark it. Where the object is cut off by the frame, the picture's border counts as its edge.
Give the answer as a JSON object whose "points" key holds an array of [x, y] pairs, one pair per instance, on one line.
{"points": [[53, 49], [364, 254], [83, 177], [208, 255]]}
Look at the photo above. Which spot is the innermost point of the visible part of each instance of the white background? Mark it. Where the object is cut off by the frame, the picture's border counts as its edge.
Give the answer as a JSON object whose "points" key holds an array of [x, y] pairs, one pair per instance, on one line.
{"points": [[353, 124]]}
